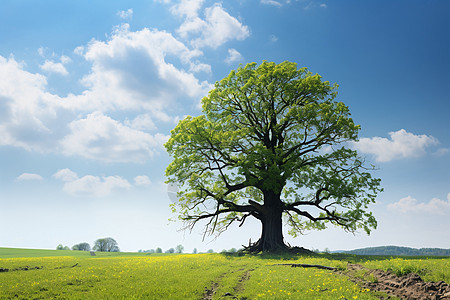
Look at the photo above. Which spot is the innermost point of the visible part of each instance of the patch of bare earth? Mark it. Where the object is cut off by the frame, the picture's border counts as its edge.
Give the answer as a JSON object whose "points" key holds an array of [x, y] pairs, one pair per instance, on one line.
{"points": [[210, 291], [410, 286]]}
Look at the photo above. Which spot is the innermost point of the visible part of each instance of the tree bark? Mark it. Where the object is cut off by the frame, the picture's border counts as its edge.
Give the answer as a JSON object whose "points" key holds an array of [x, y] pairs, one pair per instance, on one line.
{"points": [[271, 239], [272, 231]]}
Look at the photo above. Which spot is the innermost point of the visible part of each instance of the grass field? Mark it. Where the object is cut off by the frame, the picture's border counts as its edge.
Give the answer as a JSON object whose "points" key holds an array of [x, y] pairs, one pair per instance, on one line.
{"points": [[47, 274]]}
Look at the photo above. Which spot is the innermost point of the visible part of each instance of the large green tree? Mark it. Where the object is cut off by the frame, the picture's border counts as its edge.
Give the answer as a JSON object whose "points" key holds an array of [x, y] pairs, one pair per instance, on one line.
{"points": [[273, 144]]}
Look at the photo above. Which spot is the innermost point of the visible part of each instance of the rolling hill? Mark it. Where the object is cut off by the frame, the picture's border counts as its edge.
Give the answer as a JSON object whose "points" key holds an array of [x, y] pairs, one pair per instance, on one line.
{"points": [[399, 251]]}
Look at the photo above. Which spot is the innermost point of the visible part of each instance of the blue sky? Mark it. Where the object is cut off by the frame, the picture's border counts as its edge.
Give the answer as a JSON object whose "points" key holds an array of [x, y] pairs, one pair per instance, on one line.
{"points": [[89, 92]]}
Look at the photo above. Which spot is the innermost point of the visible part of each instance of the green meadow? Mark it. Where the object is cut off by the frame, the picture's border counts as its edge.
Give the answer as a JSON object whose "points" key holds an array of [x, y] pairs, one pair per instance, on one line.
{"points": [[51, 274]]}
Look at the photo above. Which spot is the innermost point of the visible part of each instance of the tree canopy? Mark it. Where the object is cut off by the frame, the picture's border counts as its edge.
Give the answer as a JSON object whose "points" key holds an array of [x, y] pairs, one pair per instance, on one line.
{"points": [[82, 247], [106, 245], [273, 144]]}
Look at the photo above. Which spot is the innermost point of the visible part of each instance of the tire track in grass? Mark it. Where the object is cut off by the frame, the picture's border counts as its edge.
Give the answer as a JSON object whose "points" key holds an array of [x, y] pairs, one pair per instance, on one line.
{"points": [[234, 289], [239, 288], [209, 292]]}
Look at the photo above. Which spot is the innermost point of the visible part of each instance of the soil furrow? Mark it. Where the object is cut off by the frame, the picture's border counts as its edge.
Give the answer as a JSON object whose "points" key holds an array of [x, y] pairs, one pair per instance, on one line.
{"points": [[410, 286]]}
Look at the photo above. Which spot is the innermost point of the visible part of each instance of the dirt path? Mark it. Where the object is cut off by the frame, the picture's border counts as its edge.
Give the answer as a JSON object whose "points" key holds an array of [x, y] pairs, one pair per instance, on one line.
{"points": [[240, 285], [209, 292], [410, 287], [238, 288]]}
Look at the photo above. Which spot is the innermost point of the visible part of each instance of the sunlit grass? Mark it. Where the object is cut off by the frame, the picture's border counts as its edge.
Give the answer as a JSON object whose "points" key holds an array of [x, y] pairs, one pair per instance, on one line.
{"points": [[281, 282], [140, 276]]}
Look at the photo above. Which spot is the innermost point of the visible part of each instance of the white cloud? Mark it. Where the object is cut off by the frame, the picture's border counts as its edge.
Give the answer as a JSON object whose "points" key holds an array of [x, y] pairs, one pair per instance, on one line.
{"points": [[273, 38], [28, 112], [101, 138], [141, 122], [53, 67], [142, 180], [29, 176], [130, 71], [125, 14], [402, 144], [434, 206], [65, 59], [200, 67], [323, 5], [66, 175], [143, 74], [220, 28], [217, 28], [187, 8], [191, 26], [233, 56], [79, 50], [271, 2], [89, 185], [95, 186]]}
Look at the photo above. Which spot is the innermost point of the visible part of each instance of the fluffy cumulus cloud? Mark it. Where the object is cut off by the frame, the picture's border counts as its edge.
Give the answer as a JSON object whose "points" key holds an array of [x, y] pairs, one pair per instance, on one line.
{"points": [[187, 8], [216, 28], [89, 185], [34, 119], [54, 67], [402, 144], [219, 27], [131, 71], [28, 112], [434, 206], [66, 175], [29, 176], [136, 83], [142, 180], [233, 56], [51, 66], [95, 186], [99, 137]]}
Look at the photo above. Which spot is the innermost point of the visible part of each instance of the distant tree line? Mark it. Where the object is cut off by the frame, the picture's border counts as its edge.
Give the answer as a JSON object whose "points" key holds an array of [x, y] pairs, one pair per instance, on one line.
{"points": [[177, 249], [401, 251], [103, 245], [232, 250], [82, 247]]}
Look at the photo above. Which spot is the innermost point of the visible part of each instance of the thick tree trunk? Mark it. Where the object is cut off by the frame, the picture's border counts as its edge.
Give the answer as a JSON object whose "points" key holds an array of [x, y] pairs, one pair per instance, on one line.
{"points": [[272, 232], [271, 239]]}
